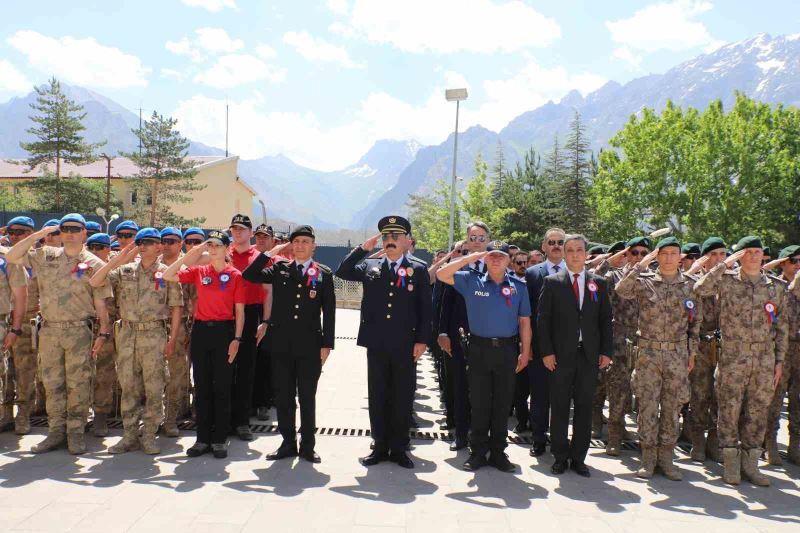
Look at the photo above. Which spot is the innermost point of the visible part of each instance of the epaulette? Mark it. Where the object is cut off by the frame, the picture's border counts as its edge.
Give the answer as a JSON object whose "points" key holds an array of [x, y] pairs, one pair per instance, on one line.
{"points": [[325, 268], [778, 279], [418, 261]]}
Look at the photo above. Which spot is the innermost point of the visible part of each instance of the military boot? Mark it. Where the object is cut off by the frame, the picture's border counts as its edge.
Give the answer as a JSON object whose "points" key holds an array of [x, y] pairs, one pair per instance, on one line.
{"points": [[614, 439], [100, 425], [794, 449], [76, 443], [127, 443], [732, 462], [750, 469], [649, 460], [170, 417], [148, 443], [54, 440], [666, 465], [698, 454], [6, 417], [773, 455], [713, 450], [22, 422]]}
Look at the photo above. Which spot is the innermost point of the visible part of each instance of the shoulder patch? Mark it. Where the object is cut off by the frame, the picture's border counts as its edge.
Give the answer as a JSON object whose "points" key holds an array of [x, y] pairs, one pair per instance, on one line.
{"points": [[325, 268]]}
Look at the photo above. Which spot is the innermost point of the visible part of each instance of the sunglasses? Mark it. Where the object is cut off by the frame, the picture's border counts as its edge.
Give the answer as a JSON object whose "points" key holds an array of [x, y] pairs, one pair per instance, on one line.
{"points": [[637, 253], [693, 256], [97, 247], [520, 263], [793, 260], [394, 235], [477, 238], [193, 242], [18, 232], [559, 242], [456, 252], [55, 233], [126, 235], [170, 242], [71, 229], [146, 243]]}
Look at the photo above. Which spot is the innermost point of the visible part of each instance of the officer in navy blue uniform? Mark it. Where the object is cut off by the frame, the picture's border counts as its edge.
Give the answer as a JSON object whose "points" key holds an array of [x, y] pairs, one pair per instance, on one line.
{"points": [[299, 343], [395, 328], [499, 314]]}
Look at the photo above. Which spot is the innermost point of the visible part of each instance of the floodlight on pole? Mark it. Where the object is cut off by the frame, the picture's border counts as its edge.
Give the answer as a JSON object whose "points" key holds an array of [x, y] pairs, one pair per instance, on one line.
{"points": [[454, 95]]}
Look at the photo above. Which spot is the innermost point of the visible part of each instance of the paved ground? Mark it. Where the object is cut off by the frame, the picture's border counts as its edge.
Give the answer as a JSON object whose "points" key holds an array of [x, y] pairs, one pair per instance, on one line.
{"points": [[134, 492]]}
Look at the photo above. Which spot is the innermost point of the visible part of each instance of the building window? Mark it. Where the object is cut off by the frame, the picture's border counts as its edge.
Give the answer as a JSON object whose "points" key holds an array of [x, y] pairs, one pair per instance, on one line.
{"points": [[134, 198]]}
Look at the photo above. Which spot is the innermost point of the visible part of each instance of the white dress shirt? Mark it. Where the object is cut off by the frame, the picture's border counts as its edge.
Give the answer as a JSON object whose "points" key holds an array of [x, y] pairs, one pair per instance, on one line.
{"points": [[549, 266], [305, 266]]}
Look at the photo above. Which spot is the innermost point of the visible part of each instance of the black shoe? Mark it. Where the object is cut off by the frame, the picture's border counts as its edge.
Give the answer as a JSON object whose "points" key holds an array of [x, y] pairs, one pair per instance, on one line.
{"points": [[401, 459], [500, 461], [198, 449], [559, 467], [219, 450], [538, 449], [475, 462], [522, 427], [374, 458], [581, 469], [282, 453], [244, 433], [310, 456], [458, 444]]}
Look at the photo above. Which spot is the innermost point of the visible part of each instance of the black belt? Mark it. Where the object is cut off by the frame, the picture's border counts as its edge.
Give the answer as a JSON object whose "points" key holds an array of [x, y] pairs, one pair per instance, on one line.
{"points": [[494, 342], [214, 323]]}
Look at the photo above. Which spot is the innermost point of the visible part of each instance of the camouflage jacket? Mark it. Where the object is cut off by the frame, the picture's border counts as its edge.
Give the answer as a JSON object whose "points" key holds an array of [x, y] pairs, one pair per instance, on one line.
{"points": [[792, 308], [710, 323], [626, 311], [11, 277], [142, 295]]}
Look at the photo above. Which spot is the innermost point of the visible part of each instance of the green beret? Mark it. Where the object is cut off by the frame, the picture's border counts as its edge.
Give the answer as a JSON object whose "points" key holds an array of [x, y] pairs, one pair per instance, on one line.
{"points": [[616, 247], [691, 248], [767, 251], [668, 241], [710, 244], [599, 249], [640, 241], [790, 251], [750, 241]]}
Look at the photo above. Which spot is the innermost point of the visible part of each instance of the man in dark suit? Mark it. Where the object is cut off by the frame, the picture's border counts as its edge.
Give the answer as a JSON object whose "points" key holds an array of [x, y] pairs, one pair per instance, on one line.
{"points": [[395, 329], [298, 341], [553, 246], [574, 331]]}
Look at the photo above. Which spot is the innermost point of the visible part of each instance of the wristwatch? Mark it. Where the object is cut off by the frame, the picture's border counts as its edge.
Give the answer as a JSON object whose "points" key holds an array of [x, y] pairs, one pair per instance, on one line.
{"points": [[237, 339], [17, 332]]}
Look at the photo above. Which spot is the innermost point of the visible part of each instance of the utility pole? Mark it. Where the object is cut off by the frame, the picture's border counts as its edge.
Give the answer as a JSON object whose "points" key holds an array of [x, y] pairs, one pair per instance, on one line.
{"points": [[108, 182], [140, 129], [226, 129]]}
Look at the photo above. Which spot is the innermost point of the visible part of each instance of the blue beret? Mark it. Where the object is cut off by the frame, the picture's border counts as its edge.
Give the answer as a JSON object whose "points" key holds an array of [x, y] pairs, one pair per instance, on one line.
{"points": [[21, 221], [51, 222], [194, 231], [126, 224], [99, 238], [175, 232], [147, 233], [91, 225], [115, 245], [73, 217]]}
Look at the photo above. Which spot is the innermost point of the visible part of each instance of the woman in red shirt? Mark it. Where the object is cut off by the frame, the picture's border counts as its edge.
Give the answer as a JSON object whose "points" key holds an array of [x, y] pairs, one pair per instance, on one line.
{"points": [[216, 334]]}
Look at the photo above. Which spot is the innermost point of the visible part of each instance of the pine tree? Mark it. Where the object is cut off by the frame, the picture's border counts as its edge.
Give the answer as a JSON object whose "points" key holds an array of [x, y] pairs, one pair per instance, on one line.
{"points": [[573, 186], [165, 176], [499, 168]]}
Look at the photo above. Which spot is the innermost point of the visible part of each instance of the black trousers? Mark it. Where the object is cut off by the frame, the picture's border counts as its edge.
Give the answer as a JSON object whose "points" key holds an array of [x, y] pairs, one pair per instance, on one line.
{"points": [[522, 390], [294, 372], [572, 385], [244, 367], [540, 399], [262, 379], [491, 392], [390, 382], [457, 370], [212, 379]]}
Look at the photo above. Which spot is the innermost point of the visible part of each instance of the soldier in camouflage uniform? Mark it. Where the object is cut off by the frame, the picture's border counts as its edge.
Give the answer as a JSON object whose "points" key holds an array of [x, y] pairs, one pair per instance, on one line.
{"points": [[105, 375], [703, 404], [789, 261], [668, 314], [69, 305], [18, 379], [146, 303], [754, 335]]}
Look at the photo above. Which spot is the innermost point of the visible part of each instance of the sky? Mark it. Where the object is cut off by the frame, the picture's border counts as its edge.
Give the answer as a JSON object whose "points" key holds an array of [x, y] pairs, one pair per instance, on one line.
{"points": [[320, 82]]}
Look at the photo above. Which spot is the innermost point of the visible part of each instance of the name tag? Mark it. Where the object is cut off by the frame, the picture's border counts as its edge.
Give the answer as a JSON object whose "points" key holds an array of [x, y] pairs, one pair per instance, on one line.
{"points": [[481, 293]]}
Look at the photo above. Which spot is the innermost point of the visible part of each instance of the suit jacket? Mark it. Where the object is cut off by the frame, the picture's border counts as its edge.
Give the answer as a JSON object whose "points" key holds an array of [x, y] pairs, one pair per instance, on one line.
{"points": [[393, 317], [534, 279], [559, 320], [294, 324]]}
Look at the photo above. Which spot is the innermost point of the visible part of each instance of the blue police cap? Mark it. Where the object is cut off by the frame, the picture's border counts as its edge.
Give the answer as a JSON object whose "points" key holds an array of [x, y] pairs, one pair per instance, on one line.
{"points": [[99, 238], [194, 231], [51, 222], [126, 224], [91, 225], [175, 232], [73, 217], [21, 221], [147, 233]]}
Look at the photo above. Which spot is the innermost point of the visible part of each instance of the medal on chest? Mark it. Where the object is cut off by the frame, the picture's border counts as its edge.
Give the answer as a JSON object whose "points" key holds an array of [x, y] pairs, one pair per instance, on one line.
{"points": [[3, 267], [771, 310], [312, 294], [224, 278], [158, 278], [401, 277], [689, 305], [592, 288], [79, 270], [507, 292]]}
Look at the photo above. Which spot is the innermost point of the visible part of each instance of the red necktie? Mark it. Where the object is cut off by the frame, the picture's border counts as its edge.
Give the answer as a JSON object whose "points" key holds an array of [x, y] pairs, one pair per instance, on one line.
{"points": [[575, 287]]}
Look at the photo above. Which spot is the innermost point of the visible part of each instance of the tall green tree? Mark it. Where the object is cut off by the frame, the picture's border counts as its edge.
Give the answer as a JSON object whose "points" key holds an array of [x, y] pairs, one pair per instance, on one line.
{"points": [[166, 177], [73, 194], [429, 215], [573, 185]]}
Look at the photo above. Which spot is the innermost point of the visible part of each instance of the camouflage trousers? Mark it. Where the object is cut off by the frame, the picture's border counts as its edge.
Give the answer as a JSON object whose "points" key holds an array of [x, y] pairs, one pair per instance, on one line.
{"points": [[743, 383], [790, 380], [660, 382], [618, 377], [19, 380], [105, 378], [66, 367], [142, 373], [703, 404], [178, 383]]}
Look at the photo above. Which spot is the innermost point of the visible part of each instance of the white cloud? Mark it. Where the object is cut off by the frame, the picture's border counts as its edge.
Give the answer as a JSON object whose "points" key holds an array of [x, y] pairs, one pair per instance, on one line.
{"points": [[663, 26], [172, 74], [212, 5], [447, 26], [80, 61], [12, 80], [319, 50], [238, 69], [206, 42], [265, 51], [340, 7]]}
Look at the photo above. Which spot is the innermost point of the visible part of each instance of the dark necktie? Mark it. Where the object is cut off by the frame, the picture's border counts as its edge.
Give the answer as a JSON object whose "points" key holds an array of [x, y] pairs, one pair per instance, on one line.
{"points": [[575, 288], [392, 268], [556, 268], [300, 269]]}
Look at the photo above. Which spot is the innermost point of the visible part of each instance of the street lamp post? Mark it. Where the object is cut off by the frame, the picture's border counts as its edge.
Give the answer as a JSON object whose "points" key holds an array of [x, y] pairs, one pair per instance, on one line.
{"points": [[102, 214], [454, 95]]}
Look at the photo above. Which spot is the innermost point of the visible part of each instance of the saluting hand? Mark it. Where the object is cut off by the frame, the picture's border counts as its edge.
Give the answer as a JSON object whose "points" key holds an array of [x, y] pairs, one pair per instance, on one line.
{"points": [[697, 265], [775, 263], [278, 249], [649, 258], [370, 243], [47, 230], [729, 262]]}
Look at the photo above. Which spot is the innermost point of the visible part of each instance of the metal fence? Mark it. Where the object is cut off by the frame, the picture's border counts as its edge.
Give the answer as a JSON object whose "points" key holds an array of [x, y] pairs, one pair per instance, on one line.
{"points": [[348, 293]]}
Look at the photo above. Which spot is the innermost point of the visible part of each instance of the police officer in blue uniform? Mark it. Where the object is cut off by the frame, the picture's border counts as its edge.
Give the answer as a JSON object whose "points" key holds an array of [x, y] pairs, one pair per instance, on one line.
{"points": [[499, 313], [395, 329]]}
